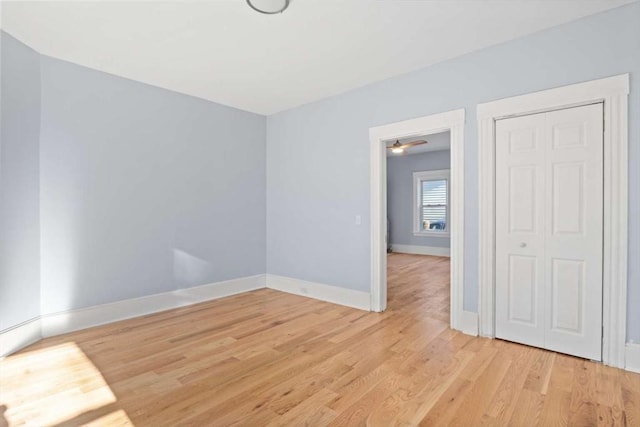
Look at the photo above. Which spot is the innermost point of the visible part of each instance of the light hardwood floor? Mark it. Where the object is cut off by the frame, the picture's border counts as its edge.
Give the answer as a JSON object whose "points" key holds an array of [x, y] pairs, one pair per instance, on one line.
{"points": [[270, 358]]}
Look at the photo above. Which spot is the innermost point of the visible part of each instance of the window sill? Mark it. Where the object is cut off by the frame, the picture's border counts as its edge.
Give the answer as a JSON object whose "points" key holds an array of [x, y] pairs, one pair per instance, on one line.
{"points": [[431, 234]]}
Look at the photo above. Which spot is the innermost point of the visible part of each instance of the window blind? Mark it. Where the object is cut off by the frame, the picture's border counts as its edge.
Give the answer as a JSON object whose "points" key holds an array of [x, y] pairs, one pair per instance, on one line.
{"points": [[434, 204]]}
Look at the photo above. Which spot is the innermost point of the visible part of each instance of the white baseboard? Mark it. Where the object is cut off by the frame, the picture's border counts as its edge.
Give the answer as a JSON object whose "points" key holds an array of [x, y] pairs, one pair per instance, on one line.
{"points": [[632, 357], [333, 294], [73, 320], [19, 336], [420, 250], [470, 323], [63, 322]]}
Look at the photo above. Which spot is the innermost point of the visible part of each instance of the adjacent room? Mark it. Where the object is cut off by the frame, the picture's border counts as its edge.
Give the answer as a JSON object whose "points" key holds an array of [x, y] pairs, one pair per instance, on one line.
{"points": [[418, 235], [300, 212]]}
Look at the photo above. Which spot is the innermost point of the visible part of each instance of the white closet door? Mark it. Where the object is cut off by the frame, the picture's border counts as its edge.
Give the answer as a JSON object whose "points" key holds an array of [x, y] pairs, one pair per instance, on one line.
{"points": [[549, 206], [574, 218], [520, 152]]}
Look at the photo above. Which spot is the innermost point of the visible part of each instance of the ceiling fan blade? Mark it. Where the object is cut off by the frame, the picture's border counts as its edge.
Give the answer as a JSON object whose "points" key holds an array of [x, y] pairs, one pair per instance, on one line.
{"points": [[413, 143]]}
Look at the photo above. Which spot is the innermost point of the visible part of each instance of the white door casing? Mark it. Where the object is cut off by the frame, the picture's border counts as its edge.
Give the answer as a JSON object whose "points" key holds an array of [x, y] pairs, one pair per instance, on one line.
{"points": [[549, 212], [435, 123], [613, 92]]}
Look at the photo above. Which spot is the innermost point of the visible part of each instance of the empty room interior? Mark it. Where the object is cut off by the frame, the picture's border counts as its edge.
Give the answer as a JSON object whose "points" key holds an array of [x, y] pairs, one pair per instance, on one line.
{"points": [[305, 212]]}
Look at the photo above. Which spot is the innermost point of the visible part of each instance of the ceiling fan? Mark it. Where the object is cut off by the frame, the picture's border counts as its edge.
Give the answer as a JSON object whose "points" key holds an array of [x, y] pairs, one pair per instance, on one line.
{"points": [[398, 148]]}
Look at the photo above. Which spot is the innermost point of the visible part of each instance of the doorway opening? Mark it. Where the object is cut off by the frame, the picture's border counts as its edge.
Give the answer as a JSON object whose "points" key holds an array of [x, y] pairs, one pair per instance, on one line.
{"points": [[452, 123], [418, 237]]}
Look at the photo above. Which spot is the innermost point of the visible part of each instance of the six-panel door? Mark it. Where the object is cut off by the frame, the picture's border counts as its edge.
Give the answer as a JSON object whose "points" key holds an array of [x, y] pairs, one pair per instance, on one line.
{"points": [[549, 216]]}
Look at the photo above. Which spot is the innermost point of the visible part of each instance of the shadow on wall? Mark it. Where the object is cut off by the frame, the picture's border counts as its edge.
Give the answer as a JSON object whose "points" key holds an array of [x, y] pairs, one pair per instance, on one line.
{"points": [[63, 268], [60, 257]]}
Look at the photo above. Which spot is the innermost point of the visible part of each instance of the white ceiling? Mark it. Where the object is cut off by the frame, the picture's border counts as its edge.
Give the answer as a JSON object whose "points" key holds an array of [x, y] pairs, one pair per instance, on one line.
{"points": [[225, 52], [435, 142]]}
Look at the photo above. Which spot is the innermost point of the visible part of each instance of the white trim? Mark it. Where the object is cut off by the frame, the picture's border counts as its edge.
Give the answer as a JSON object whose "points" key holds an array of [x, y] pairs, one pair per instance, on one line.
{"points": [[420, 250], [453, 121], [19, 336], [632, 357], [334, 294], [73, 320], [556, 98], [431, 234], [13, 339], [418, 177], [613, 91], [469, 323]]}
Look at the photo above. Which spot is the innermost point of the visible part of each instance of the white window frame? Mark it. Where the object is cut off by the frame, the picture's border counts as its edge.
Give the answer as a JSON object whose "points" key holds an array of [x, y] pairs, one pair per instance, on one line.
{"points": [[418, 178]]}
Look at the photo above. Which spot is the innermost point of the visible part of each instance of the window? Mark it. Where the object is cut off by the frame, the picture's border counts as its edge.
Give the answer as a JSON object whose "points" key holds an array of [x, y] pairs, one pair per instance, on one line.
{"points": [[431, 203]]}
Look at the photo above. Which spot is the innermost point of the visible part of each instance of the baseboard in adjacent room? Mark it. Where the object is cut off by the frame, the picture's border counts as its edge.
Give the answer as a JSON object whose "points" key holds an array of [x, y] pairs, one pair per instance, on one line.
{"points": [[632, 357], [73, 320], [19, 336], [421, 250], [333, 294]]}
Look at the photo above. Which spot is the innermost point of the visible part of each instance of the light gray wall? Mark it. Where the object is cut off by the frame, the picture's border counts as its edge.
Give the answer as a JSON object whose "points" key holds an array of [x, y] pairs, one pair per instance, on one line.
{"points": [[400, 171], [144, 190], [318, 154], [19, 183]]}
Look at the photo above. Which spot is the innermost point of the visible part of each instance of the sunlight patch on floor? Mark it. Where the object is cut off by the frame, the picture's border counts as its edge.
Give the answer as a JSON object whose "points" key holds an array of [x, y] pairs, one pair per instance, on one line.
{"points": [[51, 385], [116, 418]]}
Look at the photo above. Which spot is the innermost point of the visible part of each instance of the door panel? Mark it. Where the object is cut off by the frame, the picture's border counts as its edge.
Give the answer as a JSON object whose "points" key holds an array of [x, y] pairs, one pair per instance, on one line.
{"points": [[568, 134], [522, 289], [519, 223], [522, 199], [574, 241], [549, 204], [567, 186], [567, 297], [523, 140]]}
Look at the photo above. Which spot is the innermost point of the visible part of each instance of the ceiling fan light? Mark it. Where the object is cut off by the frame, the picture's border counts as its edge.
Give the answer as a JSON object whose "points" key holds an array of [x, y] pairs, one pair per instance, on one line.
{"points": [[397, 150], [268, 7]]}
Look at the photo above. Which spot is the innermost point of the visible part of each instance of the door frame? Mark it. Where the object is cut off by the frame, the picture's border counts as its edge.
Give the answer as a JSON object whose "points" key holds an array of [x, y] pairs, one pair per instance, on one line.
{"points": [[613, 92], [452, 121]]}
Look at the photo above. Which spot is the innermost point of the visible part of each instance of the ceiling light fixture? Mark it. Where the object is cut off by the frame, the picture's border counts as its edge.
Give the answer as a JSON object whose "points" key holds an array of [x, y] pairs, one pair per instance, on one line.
{"points": [[397, 148], [269, 7]]}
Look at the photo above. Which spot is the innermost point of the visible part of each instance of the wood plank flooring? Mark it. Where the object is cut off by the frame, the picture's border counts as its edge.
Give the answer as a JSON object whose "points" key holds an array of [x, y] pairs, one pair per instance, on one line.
{"points": [[270, 358]]}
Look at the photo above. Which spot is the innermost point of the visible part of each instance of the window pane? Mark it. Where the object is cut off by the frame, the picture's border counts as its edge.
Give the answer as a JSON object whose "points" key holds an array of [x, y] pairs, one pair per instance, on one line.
{"points": [[434, 192], [434, 218], [434, 205]]}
